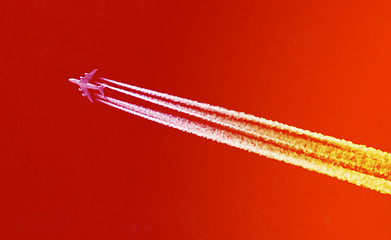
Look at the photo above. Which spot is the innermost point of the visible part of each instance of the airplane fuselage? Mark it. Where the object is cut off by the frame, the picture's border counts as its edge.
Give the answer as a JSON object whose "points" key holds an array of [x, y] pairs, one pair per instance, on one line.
{"points": [[84, 85]]}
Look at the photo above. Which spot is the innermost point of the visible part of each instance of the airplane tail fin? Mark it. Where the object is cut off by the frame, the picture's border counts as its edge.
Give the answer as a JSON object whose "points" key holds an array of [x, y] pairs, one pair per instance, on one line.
{"points": [[100, 88]]}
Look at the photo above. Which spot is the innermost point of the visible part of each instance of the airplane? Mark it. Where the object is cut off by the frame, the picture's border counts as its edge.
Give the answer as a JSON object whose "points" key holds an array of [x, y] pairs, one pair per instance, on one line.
{"points": [[84, 84]]}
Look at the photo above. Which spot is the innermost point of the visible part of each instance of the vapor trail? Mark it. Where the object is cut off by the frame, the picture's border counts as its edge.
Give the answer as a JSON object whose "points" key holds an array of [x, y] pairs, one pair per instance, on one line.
{"points": [[366, 161], [338, 158], [341, 143]]}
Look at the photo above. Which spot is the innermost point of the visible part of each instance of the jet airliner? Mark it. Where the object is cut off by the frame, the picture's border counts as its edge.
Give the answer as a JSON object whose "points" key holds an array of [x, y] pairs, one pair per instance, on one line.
{"points": [[84, 84]]}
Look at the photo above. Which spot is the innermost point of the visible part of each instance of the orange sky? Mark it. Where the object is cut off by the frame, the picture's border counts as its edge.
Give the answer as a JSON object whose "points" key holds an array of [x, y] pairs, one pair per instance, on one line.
{"points": [[318, 66]]}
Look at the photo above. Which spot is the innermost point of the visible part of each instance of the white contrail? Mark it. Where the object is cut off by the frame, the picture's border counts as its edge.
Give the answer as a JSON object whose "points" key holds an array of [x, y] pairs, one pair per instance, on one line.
{"points": [[260, 147], [352, 159], [257, 120]]}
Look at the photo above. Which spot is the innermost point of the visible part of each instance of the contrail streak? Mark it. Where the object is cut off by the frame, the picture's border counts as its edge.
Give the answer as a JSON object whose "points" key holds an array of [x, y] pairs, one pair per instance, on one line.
{"points": [[357, 157], [255, 120], [338, 158], [242, 116]]}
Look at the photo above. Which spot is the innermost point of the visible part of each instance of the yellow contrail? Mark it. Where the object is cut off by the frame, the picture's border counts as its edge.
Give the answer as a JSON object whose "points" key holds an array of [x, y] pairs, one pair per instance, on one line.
{"points": [[252, 119], [309, 146], [354, 163]]}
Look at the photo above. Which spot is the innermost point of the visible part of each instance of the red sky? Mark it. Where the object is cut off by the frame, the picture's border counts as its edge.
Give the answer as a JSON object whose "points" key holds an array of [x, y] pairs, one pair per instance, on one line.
{"points": [[70, 169]]}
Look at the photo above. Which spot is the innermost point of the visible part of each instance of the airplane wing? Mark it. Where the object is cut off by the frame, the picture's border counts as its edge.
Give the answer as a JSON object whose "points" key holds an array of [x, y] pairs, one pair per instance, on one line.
{"points": [[87, 94], [88, 76]]}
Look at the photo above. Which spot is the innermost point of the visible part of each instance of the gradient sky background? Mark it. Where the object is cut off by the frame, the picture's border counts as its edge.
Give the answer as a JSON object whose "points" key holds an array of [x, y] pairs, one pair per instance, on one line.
{"points": [[70, 169]]}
